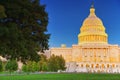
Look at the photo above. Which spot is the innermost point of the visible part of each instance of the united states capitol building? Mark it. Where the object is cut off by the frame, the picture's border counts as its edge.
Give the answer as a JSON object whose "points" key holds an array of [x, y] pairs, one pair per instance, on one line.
{"points": [[93, 53]]}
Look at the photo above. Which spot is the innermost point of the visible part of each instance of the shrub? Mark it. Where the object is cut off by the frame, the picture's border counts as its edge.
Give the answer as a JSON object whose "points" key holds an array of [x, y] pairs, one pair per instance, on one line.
{"points": [[31, 66], [56, 63], [43, 63], [11, 65], [1, 66]]}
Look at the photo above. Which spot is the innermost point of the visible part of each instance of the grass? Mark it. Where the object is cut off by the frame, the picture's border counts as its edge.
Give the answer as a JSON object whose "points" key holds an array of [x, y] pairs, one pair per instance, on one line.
{"points": [[62, 76]]}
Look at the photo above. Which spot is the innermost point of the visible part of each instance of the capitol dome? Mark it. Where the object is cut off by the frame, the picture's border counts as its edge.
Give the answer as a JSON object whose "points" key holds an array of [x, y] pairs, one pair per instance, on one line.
{"points": [[92, 29]]}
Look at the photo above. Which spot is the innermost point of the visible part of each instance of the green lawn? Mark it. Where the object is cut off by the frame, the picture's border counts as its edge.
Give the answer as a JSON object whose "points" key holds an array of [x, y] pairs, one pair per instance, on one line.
{"points": [[63, 76]]}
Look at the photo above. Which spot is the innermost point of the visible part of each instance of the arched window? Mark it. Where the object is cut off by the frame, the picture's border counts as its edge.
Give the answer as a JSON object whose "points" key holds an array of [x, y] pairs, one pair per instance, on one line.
{"points": [[103, 66], [81, 65], [108, 65], [113, 65], [92, 65], [116, 65], [97, 65], [87, 65]]}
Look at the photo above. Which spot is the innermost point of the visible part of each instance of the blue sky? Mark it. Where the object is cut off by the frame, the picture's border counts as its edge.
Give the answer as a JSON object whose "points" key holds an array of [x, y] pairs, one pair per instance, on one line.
{"points": [[66, 18]]}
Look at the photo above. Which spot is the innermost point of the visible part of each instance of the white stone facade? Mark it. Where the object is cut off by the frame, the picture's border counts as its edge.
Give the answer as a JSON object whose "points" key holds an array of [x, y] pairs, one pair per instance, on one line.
{"points": [[92, 53], [90, 58]]}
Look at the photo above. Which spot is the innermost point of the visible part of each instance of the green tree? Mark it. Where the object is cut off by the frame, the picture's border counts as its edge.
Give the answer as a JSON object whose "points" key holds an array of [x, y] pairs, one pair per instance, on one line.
{"points": [[35, 66], [44, 66], [2, 12], [56, 63], [11, 65], [1, 66], [31, 66], [52, 64], [43, 63], [24, 68], [60, 62], [22, 31]]}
